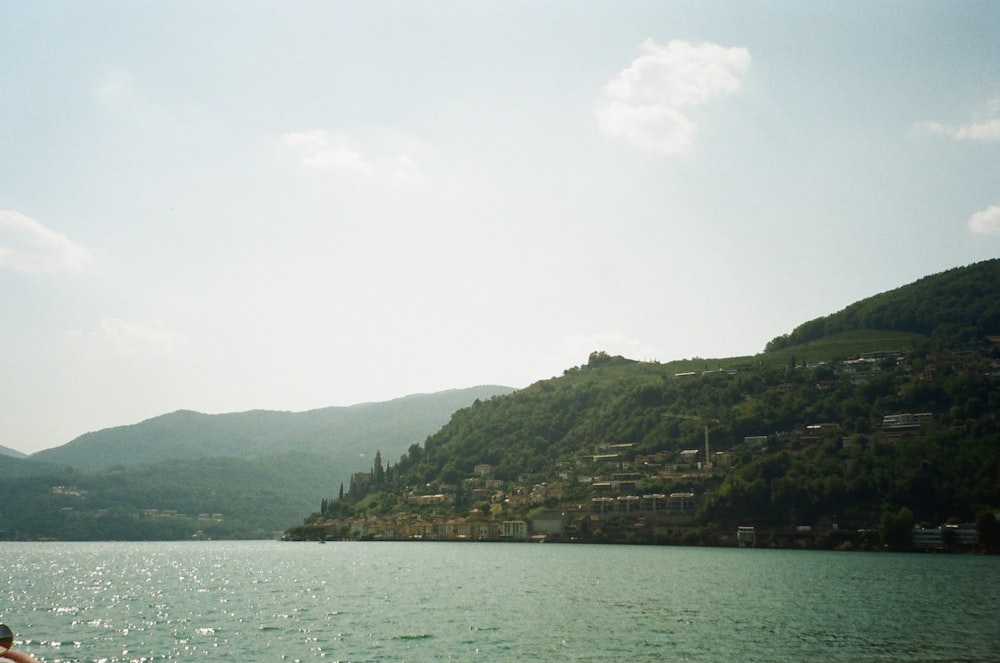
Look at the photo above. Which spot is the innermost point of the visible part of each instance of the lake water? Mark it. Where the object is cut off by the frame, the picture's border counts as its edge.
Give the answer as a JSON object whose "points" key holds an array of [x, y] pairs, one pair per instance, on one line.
{"points": [[378, 601]]}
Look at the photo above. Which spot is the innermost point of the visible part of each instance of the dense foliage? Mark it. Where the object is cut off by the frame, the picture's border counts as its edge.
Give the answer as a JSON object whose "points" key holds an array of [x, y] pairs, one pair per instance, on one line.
{"points": [[948, 469], [953, 307], [828, 458]]}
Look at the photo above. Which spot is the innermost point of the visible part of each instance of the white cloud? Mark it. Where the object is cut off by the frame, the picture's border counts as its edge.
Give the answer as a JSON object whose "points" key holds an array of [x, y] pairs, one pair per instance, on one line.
{"points": [[986, 126], [131, 338], [987, 130], [28, 246], [383, 155], [328, 151], [986, 222], [649, 103]]}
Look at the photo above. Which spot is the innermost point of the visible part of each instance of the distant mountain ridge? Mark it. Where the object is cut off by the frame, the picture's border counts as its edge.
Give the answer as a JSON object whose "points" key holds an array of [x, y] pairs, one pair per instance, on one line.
{"points": [[188, 474], [332, 431], [4, 451]]}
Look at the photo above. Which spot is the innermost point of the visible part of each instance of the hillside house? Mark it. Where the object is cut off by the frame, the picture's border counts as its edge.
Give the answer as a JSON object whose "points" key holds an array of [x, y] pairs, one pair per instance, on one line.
{"points": [[905, 421], [688, 457], [680, 503], [859, 371]]}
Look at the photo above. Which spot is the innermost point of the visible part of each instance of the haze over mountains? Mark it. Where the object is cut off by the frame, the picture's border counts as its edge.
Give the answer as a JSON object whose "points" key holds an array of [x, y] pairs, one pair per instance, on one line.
{"points": [[251, 474], [347, 434], [259, 469]]}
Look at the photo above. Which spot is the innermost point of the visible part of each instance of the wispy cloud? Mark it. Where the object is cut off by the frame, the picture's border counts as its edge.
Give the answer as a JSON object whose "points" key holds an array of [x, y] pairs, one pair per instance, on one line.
{"points": [[28, 246], [131, 338], [988, 130], [649, 103], [382, 155], [986, 222], [984, 128]]}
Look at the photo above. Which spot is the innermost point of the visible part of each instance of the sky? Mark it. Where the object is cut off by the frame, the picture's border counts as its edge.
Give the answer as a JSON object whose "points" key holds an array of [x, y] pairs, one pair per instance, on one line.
{"points": [[224, 206]]}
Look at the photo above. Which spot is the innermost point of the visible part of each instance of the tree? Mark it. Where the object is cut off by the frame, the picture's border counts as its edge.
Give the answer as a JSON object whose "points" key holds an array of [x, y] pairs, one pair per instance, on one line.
{"points": [[895, 530], [598, 357], [988, 529], [378, 473]]}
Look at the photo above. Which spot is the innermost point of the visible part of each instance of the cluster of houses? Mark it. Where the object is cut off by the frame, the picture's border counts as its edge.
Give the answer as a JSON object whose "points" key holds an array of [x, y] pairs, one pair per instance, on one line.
{"points": [[674, 511], [617, 499], [475, 527], [616, 489], [961, 361], [617, 474]]}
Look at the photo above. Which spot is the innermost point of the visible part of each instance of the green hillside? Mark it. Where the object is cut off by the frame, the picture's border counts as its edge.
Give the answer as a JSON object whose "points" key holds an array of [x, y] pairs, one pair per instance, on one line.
{"points": [[187, 474], [841, 425], [953, 307], [221, 498]]}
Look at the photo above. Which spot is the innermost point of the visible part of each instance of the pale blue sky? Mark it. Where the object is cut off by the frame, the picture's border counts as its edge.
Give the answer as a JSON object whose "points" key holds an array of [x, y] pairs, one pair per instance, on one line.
{"points": [[234, 205]]}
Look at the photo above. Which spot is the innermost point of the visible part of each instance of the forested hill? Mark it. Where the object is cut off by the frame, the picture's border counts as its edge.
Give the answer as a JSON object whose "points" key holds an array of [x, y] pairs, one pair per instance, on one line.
{"points": [[338, 432], [801, 436], [185, 474], [952, 307]]}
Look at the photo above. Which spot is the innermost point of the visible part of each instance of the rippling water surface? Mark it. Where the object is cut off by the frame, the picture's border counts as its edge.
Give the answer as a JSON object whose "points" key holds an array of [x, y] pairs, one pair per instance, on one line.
{"points": [[267, 601]]}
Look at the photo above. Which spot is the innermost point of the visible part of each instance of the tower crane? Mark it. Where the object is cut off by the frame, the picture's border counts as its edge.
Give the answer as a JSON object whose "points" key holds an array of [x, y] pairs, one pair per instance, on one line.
{"points": [[706, 421]]}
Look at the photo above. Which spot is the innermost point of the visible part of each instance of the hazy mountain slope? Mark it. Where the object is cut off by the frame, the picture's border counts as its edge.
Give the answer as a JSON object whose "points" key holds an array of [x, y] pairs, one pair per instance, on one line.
{"points": [[211, 497], [185, 474], [14, 466], [4, 451], [342, 433]]}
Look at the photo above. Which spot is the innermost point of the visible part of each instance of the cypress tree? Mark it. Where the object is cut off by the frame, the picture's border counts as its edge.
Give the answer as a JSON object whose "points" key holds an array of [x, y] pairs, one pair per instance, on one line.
{"points": [[378, 474]]}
